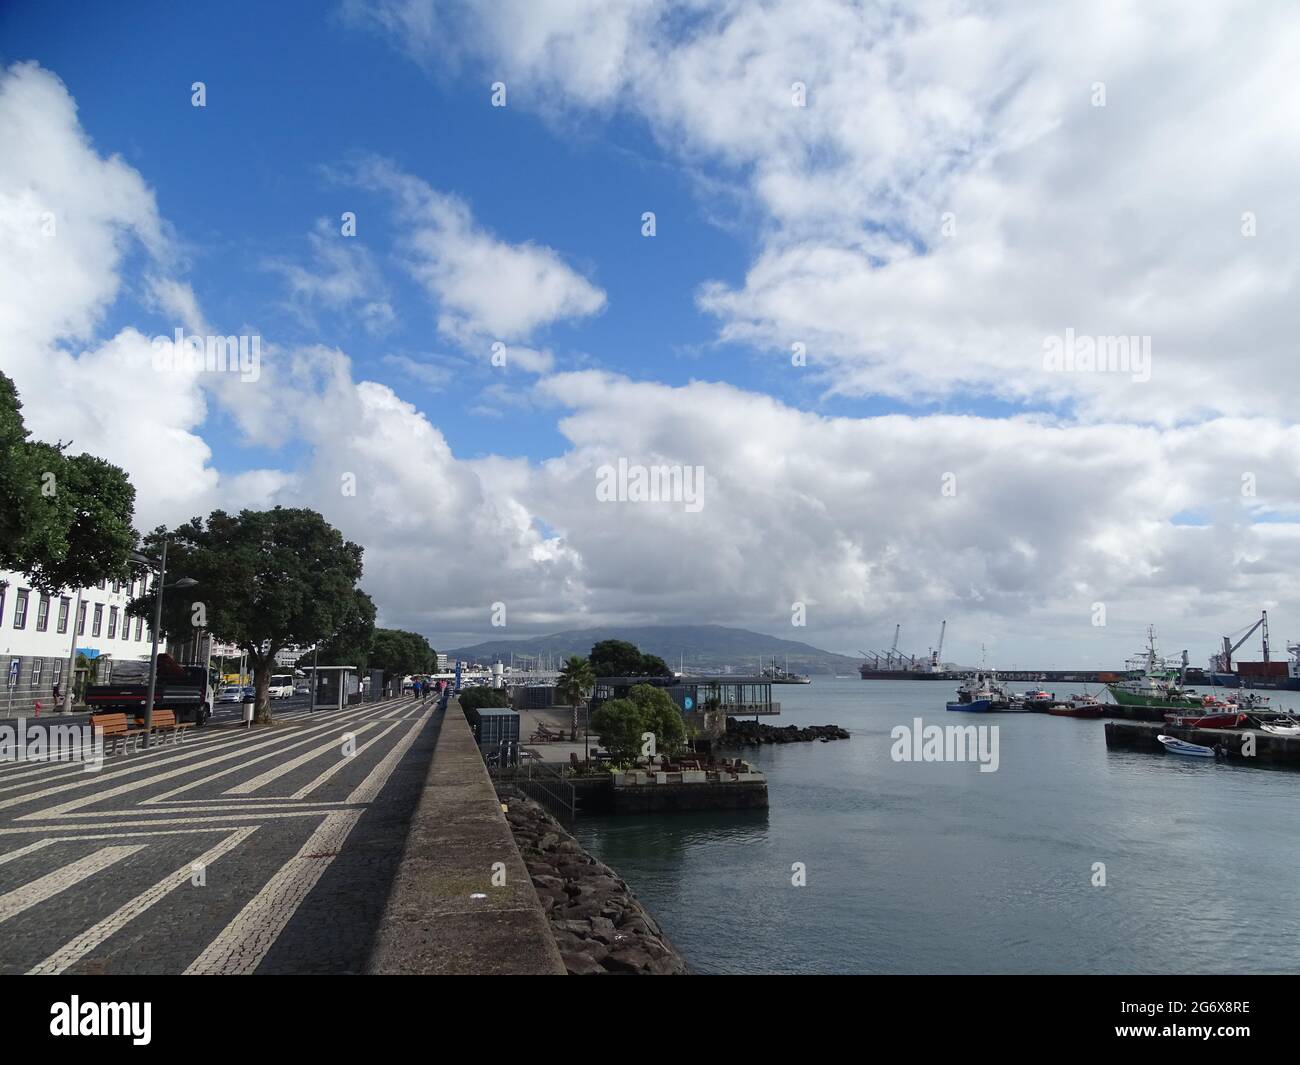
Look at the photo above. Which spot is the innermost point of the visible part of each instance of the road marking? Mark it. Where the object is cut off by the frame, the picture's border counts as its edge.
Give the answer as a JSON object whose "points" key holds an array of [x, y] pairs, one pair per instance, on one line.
{"points": [[157, 778], [302, 740], [307, 789], [38, 845], [374, 783], [76, 949], [27, 896], [277, 771], [242, 944], [215, 815]]}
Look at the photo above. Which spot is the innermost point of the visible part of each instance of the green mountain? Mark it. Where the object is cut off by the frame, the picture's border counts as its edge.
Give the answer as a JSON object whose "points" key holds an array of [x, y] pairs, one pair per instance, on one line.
{"points": [[700, 648]]}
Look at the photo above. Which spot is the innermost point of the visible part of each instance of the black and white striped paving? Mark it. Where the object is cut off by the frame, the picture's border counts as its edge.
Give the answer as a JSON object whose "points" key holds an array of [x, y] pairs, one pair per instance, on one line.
{"points": [[233, 851]]}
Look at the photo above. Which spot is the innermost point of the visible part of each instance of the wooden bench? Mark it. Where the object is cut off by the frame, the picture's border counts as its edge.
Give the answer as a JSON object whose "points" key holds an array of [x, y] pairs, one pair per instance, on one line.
{"points": [[165, 721], [116, 727]]}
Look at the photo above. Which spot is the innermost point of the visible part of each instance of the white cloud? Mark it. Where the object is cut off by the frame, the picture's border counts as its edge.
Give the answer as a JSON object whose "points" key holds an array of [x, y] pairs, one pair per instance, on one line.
{"points": [[1113, 221], [485, 288], [343, 277]]}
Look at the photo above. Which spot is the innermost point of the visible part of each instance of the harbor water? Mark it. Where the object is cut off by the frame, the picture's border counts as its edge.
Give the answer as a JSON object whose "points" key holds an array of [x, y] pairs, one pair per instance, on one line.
{"points": [[936, 867]]}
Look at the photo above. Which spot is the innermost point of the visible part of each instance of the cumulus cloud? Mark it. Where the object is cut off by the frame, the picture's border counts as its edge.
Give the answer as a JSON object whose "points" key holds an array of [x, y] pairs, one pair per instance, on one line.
{"points": [[486, 289], [952, 195]]}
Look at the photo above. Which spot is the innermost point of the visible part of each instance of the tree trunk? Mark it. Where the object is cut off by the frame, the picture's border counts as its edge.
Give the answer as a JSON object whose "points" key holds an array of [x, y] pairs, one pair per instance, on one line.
{"points": [[262, 680], [573, 727]]}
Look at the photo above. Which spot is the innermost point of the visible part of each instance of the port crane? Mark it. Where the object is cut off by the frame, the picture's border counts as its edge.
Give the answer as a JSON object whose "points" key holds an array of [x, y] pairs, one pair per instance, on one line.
{"points": [[935, 656], [1222, 662]]}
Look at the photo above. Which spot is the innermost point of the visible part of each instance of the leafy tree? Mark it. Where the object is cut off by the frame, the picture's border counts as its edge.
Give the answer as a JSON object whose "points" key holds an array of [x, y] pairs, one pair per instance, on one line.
{"points": [[619, 724], [481, 697], [574, 683], [350, 646], [65, 520], [266, 580], [398, 652], [618, 658], [661, 716]]}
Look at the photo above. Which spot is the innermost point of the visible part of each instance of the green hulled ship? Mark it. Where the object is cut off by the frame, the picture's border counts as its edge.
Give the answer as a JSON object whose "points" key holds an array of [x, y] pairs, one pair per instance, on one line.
{"points": [[1151, 681]]}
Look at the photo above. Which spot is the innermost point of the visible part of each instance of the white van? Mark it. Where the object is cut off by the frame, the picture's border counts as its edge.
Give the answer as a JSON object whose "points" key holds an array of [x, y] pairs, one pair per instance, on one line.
{"points": [[281, 686]]}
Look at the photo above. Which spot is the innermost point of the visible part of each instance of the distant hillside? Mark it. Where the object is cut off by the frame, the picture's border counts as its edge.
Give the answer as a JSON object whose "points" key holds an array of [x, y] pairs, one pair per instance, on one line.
{"points": [[699, 647]]}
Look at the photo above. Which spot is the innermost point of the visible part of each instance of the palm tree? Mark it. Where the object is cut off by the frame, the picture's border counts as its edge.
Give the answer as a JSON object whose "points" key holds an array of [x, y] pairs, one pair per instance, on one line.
{"points": [[573, 684]]}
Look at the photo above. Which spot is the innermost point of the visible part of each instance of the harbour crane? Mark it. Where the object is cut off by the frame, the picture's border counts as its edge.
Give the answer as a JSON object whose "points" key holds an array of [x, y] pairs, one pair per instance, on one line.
{"points": [[1224, 663], [936, 662]]}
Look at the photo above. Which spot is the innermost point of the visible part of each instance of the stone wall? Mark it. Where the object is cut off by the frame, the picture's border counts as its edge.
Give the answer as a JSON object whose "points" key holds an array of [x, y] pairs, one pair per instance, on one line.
{"points": [[598, 924]]}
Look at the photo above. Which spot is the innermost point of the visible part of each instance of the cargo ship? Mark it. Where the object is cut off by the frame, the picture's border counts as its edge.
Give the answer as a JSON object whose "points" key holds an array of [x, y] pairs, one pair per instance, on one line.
{"points": [[1277, 676], [894, 665]]}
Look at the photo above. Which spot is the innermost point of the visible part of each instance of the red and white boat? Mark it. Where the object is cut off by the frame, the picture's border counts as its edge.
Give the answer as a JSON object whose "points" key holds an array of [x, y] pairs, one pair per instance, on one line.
{"points": [[1081, 709], [1209, 718]]}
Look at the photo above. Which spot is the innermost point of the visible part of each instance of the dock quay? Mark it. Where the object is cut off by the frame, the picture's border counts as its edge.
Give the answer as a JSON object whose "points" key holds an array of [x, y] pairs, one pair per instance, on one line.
{"points": [[1243, 745]]}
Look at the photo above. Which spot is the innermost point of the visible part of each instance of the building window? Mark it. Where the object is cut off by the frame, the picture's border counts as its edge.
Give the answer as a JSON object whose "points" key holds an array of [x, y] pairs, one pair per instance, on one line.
{"points": [[20, 609], [36, 671], [43, 614], [65, 605], [139, 628], [15, 671], [112, 622], [99, 619], [58, 671], [81, 619], [102, 585]]}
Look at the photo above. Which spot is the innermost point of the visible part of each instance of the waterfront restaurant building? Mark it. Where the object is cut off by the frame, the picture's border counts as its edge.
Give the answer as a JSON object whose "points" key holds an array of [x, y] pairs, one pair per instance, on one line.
{"points": [[705, 702]]}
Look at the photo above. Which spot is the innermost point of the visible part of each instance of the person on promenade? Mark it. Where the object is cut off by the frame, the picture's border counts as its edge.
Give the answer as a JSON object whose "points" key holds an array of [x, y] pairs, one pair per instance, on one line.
{"points": [[424, 689]]}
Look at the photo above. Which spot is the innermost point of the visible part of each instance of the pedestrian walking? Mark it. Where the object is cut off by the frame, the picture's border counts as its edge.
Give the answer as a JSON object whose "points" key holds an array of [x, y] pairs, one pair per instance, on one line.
{"points": [[424, 686]]}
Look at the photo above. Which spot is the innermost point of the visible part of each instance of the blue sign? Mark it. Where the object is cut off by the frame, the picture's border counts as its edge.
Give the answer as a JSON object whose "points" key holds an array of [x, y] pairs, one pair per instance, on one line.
{"points": [[457, 689], [88, 652], [689, 703]]}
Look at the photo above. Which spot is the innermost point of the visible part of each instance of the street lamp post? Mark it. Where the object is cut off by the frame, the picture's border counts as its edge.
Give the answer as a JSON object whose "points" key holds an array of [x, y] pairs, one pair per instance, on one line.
{"points": [[160, 585]]}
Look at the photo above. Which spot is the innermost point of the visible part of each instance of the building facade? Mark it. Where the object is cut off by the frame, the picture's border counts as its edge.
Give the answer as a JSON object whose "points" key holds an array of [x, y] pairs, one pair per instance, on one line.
{"points": [[38, 632]]}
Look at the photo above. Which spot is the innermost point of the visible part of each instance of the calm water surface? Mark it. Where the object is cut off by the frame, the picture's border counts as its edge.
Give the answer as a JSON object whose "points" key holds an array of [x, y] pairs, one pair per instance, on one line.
{"points": [[934, 867]]}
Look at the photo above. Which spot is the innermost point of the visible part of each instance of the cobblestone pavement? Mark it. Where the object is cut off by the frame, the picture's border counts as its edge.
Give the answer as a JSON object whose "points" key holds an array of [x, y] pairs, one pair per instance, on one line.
{"points": [[231, 851]]}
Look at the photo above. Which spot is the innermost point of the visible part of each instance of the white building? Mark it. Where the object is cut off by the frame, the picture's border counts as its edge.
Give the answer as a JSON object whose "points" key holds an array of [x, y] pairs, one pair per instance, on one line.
{"points": [[37, 635]]}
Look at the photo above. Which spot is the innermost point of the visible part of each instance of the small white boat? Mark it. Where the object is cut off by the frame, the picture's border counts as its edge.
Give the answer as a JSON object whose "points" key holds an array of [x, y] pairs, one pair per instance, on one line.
{"points": [[1281, 728], [1174, 745]]}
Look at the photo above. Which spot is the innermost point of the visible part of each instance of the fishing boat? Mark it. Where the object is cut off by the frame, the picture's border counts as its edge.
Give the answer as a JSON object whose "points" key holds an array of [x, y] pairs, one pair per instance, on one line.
{"points": [[1038, 699], [1084, 698], [1281, 728], [1230, 718], [1151, 681], [1174, 745], [980, 693], [1091, 711], [776, 675]]}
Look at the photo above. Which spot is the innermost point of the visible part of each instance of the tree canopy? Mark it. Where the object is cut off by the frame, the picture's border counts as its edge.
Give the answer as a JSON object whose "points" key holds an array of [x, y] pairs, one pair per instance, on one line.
{"points": [[65, 520], [618, 658], [622, 724], [398, 653], [266, 580]]}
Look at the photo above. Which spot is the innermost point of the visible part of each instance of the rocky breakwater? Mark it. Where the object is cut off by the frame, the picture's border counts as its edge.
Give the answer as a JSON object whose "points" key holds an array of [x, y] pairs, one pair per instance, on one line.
{"points": [[598, 924], [754, 733]]}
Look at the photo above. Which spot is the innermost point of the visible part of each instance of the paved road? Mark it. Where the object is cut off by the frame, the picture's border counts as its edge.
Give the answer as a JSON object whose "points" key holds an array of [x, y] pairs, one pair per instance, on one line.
{"points": [[234, 851]]}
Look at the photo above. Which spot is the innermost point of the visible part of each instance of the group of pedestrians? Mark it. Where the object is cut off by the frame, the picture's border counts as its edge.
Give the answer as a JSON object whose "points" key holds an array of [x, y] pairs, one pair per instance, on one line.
{"points": [[423, 687]]}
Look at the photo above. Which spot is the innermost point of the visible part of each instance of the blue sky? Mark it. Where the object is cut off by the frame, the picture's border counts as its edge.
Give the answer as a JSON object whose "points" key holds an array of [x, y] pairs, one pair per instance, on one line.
{"points": [[950, 195], [296, 92]]}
